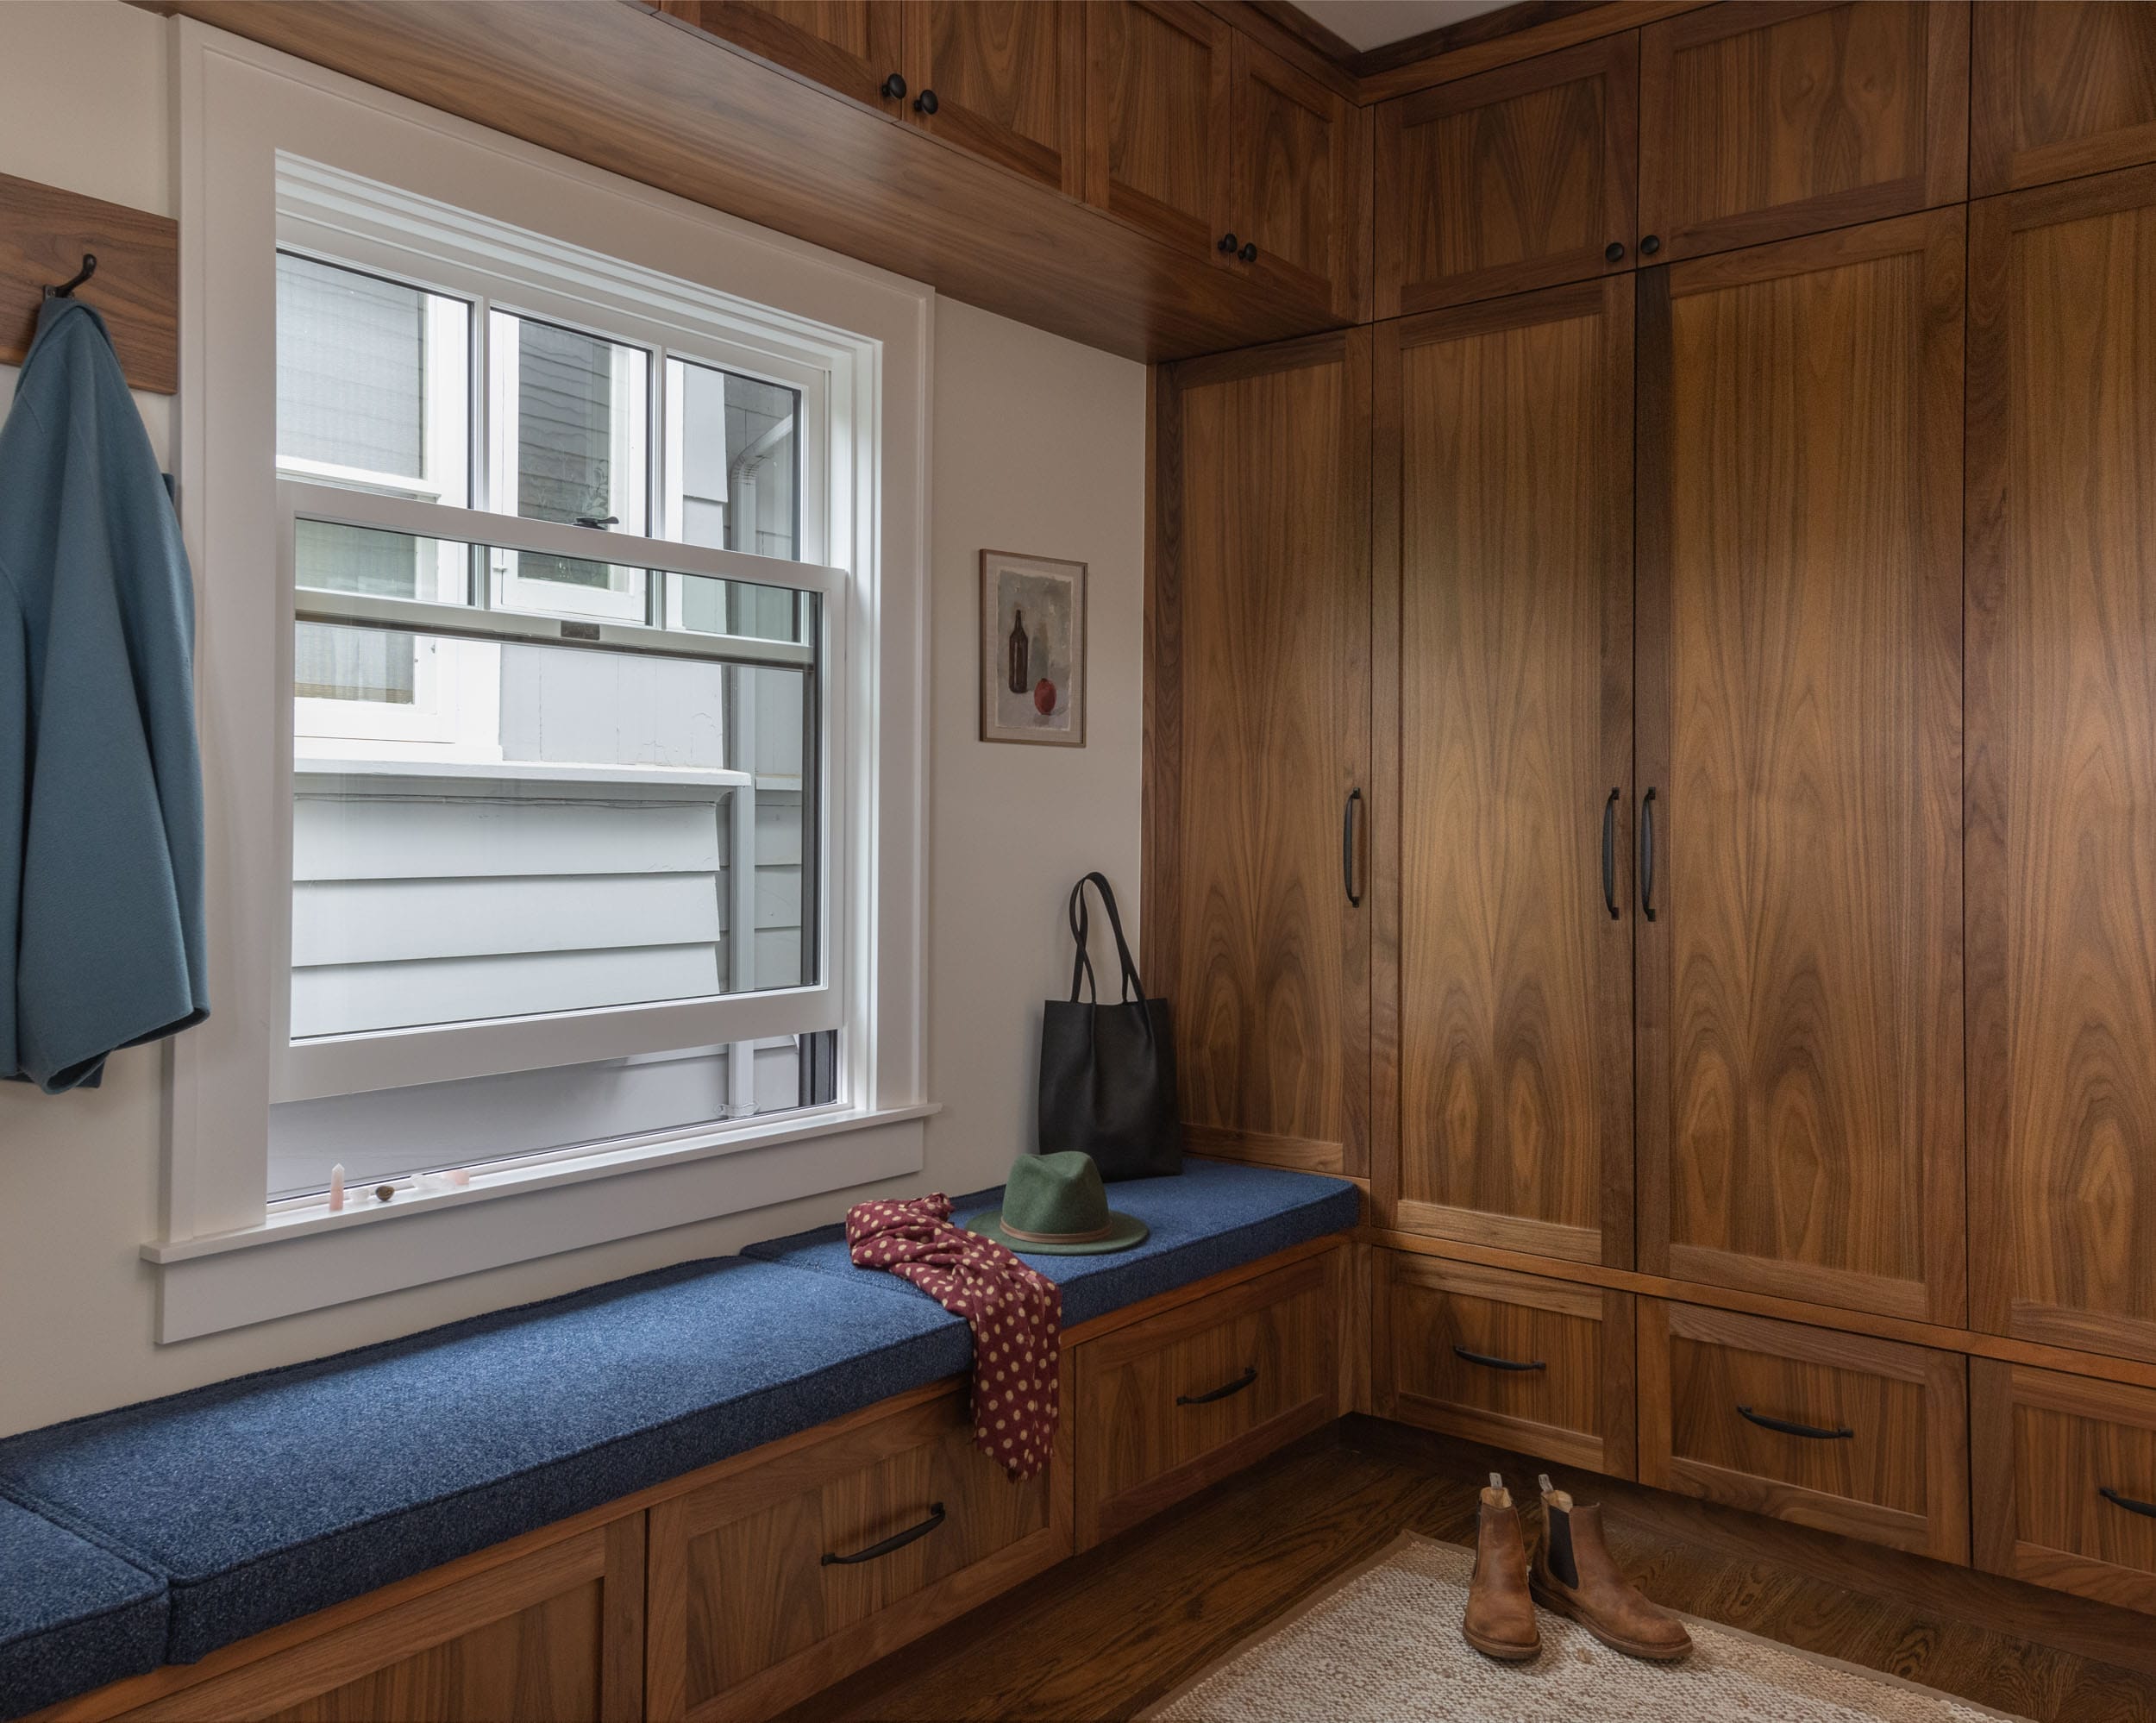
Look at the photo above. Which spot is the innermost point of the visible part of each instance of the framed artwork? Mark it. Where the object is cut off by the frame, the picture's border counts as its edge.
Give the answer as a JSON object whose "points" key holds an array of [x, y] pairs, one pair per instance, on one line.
{"points": [[1032, 649]]}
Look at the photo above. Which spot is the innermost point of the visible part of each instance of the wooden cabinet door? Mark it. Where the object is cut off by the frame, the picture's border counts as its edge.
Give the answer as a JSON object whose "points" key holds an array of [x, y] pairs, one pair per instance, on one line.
{"points": [[1256, 925], [1158, 82], [850, 46], [1799, 755], [1504, 498], [2060, 91], [1521, 178], [1302, 174], [1005, 80], [2062, 752], [1759, 120]]}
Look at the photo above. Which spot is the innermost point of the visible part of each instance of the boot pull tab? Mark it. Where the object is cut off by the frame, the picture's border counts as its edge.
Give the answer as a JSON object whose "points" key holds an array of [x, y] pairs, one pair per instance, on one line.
{"points": [[1543, 1479], [1497, 1481]]}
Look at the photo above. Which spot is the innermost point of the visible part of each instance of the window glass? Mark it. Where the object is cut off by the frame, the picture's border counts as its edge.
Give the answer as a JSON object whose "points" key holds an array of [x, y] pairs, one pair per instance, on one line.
{"points": [[738, 460]]}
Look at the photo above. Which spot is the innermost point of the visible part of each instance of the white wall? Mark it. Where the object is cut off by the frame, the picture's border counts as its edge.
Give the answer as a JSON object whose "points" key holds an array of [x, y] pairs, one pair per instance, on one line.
{"points": [[1039, 447]]}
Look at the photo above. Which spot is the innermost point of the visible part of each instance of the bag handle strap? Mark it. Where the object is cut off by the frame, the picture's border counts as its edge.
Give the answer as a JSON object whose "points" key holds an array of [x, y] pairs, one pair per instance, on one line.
{"points": [[1081, 928]]}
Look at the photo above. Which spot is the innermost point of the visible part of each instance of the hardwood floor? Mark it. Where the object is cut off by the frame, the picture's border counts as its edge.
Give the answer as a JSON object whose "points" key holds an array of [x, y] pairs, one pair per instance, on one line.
{"points": [[1108, 1634]]}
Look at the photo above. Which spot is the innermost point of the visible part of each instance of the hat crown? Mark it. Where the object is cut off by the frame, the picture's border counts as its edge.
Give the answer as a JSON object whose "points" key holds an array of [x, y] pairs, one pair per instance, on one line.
{"points": [[1052, 1195]]}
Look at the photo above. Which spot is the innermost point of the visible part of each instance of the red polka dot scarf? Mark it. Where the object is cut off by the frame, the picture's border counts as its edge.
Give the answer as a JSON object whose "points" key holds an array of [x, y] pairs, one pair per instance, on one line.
{"points": [[1016, 1315]]}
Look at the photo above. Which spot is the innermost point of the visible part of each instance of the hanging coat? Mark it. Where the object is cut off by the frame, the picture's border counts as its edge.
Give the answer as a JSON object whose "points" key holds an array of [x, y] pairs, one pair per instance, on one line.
{"points": [[101, 863]]}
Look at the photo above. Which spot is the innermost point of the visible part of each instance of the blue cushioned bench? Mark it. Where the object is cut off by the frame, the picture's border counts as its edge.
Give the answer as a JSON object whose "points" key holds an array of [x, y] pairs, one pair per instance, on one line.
{"points": [[265, 1498], [72, 1615], [162, 1532], [1216, 1215]]}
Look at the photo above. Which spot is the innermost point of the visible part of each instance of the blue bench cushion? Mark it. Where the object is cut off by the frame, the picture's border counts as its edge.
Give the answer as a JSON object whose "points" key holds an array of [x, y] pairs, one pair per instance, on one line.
{"points": [[1216, 1215], [269, 1496], [71, 1616]]}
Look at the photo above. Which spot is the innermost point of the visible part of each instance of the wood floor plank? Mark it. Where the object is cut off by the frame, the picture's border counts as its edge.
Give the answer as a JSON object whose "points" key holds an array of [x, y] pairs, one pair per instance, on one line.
{"points": [[1107, 1634]]}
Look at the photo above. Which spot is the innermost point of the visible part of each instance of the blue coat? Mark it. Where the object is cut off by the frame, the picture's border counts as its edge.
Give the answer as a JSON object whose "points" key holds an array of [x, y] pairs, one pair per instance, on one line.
{"points": [[101, 931]]}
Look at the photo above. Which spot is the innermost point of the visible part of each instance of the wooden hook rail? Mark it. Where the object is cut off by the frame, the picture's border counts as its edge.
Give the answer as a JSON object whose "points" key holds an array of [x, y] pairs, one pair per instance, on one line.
{"points": [[44, 233]]}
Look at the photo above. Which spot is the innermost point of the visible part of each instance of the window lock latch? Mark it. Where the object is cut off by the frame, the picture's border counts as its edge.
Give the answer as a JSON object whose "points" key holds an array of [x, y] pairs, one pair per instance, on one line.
{"points": [[599, 520]]}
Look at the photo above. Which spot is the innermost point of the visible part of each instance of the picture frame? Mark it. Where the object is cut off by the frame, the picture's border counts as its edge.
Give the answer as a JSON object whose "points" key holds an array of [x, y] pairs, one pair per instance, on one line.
{"points": [[1032, 642]]}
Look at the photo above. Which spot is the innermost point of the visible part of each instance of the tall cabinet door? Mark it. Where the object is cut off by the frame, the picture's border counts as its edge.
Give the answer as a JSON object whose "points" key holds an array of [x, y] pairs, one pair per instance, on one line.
{"points": [[1799, 756], [1157, 83], [1005, 80], [1259, 803], [1504, 488], [2062, 763]]}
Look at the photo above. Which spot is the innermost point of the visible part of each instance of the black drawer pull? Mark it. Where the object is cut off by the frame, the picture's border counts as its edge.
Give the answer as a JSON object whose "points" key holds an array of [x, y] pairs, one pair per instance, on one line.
{"points": [[1490, 1363], [897, 1540], [1811, 1432], [1233, 1387], [2126, 1501]]}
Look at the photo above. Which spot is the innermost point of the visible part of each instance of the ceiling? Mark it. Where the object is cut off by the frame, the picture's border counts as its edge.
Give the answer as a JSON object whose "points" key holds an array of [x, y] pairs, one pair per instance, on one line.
{"points": [[1373, 23]]}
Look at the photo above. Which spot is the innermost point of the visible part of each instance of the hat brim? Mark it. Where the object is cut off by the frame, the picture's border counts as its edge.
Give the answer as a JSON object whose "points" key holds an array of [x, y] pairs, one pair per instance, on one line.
{"points": [[1124, 1230]]}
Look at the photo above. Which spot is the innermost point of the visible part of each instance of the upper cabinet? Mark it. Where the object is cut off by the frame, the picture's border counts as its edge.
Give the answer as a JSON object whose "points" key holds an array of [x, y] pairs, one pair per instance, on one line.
{"points": [[1004, 78], [2059, 92], [1157, 91], [1301, 183], [1763, 121], [1521, 178], [850, 46]]}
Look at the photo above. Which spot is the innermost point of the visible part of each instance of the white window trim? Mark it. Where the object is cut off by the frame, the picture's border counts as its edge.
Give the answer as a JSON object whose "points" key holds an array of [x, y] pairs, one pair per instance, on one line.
{"points": [[863, 333]]}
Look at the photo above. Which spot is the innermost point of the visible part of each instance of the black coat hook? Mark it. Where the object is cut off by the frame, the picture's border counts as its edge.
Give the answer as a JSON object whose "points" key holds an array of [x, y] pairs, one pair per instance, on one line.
{"points": [[66, 289]]}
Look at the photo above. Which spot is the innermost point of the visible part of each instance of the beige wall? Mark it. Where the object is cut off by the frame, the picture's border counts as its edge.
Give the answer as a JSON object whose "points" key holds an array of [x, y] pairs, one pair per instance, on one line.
{"points": [[1038, 446]]}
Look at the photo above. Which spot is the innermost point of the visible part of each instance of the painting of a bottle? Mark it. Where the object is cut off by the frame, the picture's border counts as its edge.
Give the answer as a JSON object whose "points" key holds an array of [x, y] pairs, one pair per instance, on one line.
{"points": [[1021, 658]]}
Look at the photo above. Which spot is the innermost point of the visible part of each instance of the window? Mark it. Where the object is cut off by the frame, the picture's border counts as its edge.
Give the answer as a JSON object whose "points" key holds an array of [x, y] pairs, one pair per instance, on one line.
{"points": [[560, 656]]}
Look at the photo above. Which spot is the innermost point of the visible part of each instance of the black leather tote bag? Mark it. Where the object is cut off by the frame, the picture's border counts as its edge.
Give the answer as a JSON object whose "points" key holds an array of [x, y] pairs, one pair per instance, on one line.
{"points": [[1108, 1071]]}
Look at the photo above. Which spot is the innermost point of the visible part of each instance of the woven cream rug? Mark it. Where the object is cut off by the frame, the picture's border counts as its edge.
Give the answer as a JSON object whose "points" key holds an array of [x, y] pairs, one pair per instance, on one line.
{"points": [[1383, 1644]]}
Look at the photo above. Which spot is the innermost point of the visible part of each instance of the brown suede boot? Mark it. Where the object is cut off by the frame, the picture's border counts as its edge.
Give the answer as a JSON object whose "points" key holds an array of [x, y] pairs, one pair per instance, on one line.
{"points": [[1500, 1620], [1575, 1576]]}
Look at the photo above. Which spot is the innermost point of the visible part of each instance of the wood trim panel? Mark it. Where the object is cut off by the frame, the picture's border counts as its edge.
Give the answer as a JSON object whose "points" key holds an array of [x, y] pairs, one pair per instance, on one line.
{"points": [[1504, 1231], [1930, 1476], [1666, 135], [2091, 68], [1528, 202], [1613, 17], [44, 232]]}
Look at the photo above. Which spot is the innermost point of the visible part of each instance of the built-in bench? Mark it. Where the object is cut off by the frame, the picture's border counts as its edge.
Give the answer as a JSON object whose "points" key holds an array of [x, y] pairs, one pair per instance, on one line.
{"points": [[164, 1531]]}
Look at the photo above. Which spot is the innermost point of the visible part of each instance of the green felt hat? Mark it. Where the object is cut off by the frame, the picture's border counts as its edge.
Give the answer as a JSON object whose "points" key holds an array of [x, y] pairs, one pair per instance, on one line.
{"points": [[1055, 1206]]}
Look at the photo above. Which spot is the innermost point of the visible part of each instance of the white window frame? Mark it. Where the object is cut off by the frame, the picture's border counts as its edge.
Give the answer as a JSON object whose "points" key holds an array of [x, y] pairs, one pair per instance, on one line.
{"points": [[255, 127]]}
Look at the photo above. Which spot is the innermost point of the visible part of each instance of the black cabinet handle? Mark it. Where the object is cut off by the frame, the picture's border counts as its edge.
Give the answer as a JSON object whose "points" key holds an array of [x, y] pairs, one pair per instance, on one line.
{"points": [[1233, 1387], [1490, 1363], [1614, 251], [1249, 253], [1811, 1432], [2126, 1501], [894, 88], [1647, 855], [897, 1540], [1347, 849], [1650, 245], [1226, 247], [925, 103], [1609, 853]]}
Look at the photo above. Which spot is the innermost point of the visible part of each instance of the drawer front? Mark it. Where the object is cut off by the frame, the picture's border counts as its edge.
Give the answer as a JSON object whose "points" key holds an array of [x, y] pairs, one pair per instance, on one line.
{"points": [[1169, 1403], [747, 1615], [2045, 1447], [1521, 1361], [1842, 1432]]}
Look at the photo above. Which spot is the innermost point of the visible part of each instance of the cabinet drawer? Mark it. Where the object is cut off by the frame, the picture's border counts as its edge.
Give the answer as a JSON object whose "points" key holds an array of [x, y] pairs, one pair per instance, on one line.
{"points": [[2046, 1448], [758, 1595], [1539, 1365], [1841, 1432], [1169, 1403]]}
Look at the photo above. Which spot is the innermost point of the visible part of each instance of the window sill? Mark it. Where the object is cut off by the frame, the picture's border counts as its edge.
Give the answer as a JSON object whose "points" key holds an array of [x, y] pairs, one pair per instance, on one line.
{"points": [[308, 1258]]}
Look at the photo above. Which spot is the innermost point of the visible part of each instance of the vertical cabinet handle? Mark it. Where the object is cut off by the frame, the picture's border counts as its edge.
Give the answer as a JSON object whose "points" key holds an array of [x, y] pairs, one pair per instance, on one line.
{"points": [[1647, 855], [1347, 849], [1609, 853]]}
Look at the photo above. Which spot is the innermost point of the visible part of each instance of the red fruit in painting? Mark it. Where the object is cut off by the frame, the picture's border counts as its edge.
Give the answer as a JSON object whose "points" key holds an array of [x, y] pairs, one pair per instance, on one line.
{"points": [[1044, 696]]}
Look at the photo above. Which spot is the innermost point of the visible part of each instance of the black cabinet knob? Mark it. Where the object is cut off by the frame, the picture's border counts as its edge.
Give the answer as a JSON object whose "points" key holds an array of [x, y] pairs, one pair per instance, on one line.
{"points": [[1614, 251], [925, 103], [1650, 245], [1249, 253], [1226, 247], [894, 88]]}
